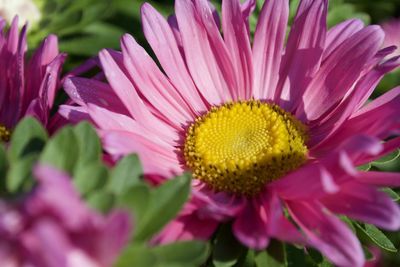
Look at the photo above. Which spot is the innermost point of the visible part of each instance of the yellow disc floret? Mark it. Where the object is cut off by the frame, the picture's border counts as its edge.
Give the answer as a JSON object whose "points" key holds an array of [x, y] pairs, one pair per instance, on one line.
{"points": [[4, 134], [240, 147]]}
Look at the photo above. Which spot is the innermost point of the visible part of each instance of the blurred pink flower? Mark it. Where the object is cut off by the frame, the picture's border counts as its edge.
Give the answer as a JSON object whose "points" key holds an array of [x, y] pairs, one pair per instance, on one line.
{"points": [[26, 88], [392, 34], [264, 127], [52, 227]]}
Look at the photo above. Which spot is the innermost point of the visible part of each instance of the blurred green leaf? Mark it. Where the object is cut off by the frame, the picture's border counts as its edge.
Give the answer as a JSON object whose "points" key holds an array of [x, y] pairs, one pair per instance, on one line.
{"points": [[377, 236], [101, 201], [91, 177], [165, 202], [3, 168], [62, 151], [136, 200], [185, 254], [89, 144], [273, 256], [20, 172], [126, 174], [136, 256], [392, 194], [226, 249], [28, 138], [390, 162]]}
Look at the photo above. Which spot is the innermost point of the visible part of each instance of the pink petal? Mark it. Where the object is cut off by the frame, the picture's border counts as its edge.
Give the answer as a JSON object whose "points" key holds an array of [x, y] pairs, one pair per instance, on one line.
{"points": [[129, 96], [187, 227], [237, 41], [303, 52], [250, 226], [340, 33], [328, 234], [269, 39], [391, 179], [339, 72], [365, 203], [84, 91], [157, 158], [153, 84], [161, 38], [200, 57], [344, 110]]}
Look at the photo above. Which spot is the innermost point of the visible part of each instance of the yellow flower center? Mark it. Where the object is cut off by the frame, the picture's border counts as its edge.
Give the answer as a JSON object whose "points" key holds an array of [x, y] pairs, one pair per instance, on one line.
{"points": [[240, 147], [5, 134]]}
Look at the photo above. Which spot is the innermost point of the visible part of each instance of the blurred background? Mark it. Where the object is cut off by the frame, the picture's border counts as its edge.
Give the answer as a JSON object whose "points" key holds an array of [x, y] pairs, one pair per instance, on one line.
{"points": [[86, 26]]}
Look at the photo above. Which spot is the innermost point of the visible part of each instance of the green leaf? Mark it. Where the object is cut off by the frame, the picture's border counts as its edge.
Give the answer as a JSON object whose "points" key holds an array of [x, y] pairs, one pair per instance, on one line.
{"points": [[28, 138], [365, 167], [295, 257], [227, 249], [377, 236], [390, 162], [62, 150], [136, 200], [89, 178], [189, 253], [89, 144], [3, 168], [136, 256], [125, 174], [273, 256], [101, 201], [392, 194], [165, 202], [20, 172]]}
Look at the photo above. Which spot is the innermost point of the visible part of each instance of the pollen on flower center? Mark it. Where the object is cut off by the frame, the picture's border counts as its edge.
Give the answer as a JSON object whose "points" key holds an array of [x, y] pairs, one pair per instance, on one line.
{"points": [[5, 134], [240, 147]]}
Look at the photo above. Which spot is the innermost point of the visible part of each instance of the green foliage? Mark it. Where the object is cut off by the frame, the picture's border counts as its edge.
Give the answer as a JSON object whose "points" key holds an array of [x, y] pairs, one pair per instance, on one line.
{"points": [[77, 151]]}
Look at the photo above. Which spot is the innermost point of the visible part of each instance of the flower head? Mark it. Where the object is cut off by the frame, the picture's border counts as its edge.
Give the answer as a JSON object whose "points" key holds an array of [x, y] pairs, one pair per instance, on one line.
{"points": [[264, 125], [53, 227], [26, 88]]}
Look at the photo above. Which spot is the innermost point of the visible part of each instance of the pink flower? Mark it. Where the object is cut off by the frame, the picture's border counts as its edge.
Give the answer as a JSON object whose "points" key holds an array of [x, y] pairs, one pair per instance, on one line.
{"points": [[392, 34], [26, 88], [53, 227], [264, 127]]}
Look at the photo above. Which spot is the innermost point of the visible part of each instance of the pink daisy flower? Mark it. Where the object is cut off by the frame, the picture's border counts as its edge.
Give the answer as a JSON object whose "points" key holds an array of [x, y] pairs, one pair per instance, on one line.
{"points": [[26, 88], [53, 227], [264, 125]]}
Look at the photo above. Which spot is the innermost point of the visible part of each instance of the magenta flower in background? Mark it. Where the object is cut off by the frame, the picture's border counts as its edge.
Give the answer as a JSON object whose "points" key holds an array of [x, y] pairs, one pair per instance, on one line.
{"points": [[264, 126], [392, 34], [53, 227], [26, 88]]}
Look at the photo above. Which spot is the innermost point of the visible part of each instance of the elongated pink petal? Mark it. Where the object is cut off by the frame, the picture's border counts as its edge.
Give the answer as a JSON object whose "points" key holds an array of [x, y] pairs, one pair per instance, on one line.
{"points": [[250, 226], [340, 33], [303, 52], [237, 41], [363, 89], [156, 158], [200, 58], [129, 96], [339, 72], [153, 84], [74, 114], [327, 233], [365, 203], [161, 38], [187, 227], [84, 91], [391, 179], [269, 39], [223, 57]]}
